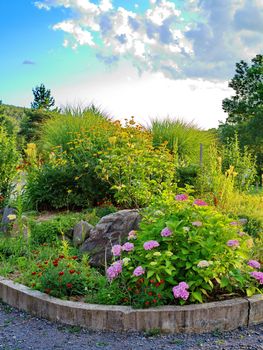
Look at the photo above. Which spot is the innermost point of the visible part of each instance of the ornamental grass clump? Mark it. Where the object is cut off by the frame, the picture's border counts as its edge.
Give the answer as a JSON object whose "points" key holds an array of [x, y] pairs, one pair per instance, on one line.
{"points": [[190, 253]]}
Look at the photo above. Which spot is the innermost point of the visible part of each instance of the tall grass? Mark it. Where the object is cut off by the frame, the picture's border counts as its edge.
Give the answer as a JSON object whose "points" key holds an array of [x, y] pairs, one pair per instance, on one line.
{"points": [[182, 137], [63, 129]]}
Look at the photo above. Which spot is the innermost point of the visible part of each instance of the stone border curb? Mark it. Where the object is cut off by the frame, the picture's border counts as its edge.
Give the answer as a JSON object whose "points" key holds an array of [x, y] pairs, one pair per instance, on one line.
{"points": [[198, 318]]}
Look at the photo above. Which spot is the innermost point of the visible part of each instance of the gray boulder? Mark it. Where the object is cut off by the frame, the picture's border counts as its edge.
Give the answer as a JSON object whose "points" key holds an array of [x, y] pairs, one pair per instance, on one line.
{"points": [[81, 232], [111, 229]]}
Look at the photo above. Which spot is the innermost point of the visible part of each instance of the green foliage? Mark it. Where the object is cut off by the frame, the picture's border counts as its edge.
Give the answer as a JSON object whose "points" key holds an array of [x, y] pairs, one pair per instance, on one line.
{"points": [[61, 277], [31, 123], [248, 86], [135, 169], [42, 98], [49, 231], [8, 162], [245, 109], [197, 251], [183, 139], [243, 162]]}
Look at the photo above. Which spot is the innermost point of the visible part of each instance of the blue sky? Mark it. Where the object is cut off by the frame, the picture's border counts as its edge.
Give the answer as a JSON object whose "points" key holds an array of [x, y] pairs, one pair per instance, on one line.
{"points": [[148, 58]]}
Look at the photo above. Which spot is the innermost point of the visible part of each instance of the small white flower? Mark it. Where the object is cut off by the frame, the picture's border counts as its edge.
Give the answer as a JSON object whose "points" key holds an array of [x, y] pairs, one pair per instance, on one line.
{"points": [[204, 263], [186, 228]]}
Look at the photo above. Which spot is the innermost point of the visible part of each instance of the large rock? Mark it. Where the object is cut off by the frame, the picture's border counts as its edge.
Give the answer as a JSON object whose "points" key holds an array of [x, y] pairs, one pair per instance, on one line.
{"points": [[81, 232], [111, 229]]}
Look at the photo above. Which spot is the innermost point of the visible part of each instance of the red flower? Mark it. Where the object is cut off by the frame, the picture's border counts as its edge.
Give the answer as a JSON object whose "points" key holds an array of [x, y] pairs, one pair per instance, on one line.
{"points": [[152, 281], [159, 296], [55, 263], [154, 300], [46, 262], [74, 257], [61, 273], [147, 303], [34, 273], [150, 293], [72, 271], [69, 285], [162, 281], [61, 256], [157, 284]]}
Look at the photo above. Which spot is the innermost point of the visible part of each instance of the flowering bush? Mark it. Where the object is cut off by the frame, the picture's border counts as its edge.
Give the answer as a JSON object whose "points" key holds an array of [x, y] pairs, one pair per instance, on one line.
{"points": [[61, 277], [192, 251]]}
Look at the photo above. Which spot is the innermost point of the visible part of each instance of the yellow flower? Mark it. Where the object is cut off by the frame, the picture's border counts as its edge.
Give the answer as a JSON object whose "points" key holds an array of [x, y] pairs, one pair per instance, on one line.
{"points": [[69, 191], [11, 217]]}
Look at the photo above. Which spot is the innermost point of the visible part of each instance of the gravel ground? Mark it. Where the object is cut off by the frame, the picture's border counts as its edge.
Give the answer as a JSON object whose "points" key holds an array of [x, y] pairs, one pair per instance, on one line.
{"points": [[20, 331]]}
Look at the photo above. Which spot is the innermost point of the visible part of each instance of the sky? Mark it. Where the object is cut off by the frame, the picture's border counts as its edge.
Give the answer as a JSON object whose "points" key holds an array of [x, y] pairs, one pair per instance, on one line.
{"points": [[146, 58]]}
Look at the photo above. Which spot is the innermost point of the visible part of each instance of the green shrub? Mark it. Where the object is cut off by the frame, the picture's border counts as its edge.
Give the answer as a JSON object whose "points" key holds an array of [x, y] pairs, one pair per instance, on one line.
{"points": [[189, 247], [243, 162], [8, 162], [135, 170]]}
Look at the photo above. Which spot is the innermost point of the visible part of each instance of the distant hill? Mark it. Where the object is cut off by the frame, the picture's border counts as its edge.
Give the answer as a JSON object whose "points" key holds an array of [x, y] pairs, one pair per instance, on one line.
{"points": [[12, 111]]}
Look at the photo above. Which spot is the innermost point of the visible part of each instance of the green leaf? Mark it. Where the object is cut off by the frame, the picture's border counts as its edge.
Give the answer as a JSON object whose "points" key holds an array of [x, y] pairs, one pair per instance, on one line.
{"points": [[197, 296]]}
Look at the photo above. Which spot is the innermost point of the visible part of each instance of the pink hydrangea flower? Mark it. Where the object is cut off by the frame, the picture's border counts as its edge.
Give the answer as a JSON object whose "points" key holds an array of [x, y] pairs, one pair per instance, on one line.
{"points": [[150, 245], [116, 250], [180, 291], [258, 276], [253, 263], [127, 247], [132, 235], [166, 232], [114, 270], [181, 197], [200, 202], [233, 243], [138, 271], [197, 223]]}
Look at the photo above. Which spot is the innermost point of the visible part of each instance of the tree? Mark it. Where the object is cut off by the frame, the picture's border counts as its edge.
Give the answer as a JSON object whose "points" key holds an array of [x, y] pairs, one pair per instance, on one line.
{"points": [[42, 98], [248, 86], [245, 109]]}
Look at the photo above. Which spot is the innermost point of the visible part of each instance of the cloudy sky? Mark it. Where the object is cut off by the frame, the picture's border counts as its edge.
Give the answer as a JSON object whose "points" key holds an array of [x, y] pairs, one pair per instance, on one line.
{"points": [[147, 58]]}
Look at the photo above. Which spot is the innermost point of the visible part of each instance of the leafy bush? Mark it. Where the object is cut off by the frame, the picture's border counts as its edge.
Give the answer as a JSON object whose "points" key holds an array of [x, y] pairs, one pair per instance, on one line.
{"points": [[188, 251], [8, 162], [135, 169], [50, 230], [63, 276], [243, 162]]}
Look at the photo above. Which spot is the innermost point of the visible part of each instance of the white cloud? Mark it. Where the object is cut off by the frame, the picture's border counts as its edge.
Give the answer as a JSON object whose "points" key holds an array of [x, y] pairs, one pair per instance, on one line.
{"points": [[202, 39]]}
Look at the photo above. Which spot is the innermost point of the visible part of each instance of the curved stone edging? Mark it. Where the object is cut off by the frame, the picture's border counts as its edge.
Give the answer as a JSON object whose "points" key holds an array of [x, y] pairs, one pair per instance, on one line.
{"points": [[198, 318]]}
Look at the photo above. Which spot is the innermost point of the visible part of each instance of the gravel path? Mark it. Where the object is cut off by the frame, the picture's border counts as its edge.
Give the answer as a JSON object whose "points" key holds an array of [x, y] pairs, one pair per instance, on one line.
{"points": [[20, 331]]}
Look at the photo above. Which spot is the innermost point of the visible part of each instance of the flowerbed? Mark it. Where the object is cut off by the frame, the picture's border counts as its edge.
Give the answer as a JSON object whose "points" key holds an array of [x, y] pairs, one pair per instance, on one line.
{"points": [[184, 252]]}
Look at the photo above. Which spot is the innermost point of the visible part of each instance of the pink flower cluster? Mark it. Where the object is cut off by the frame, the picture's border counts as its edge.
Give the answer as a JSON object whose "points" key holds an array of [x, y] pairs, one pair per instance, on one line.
{"points": [[233, 243], [181, 197], [114, 270], [138, 271], [149, 245], [258, 276], [117, 248], [127, 247], [180, 291], [166, 232], [253, 263], [200, 202], [132, 235]]}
